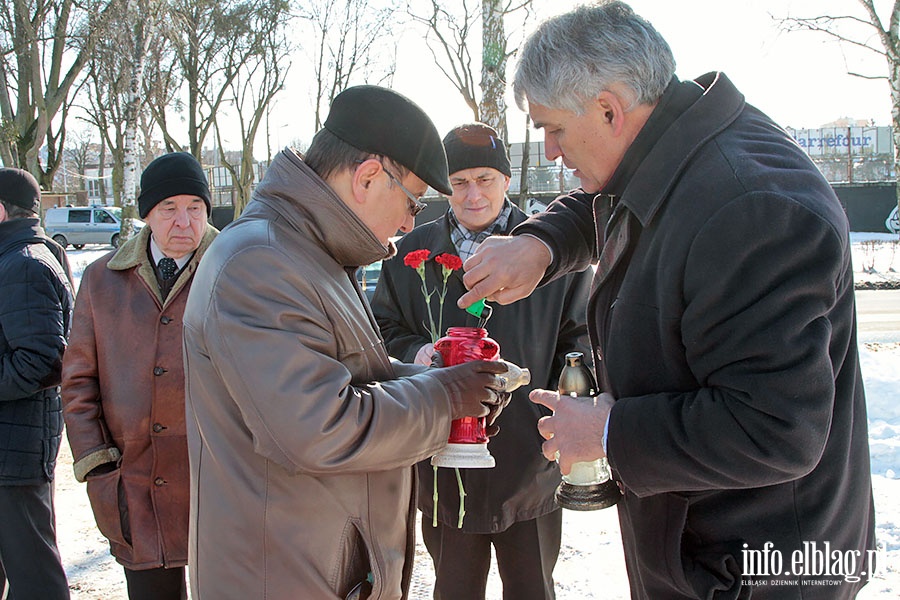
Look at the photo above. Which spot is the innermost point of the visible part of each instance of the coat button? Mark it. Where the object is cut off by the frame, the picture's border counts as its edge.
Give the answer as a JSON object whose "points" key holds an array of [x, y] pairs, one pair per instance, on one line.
{"points": [[157, 427], [159, 481], [165, 319], [158, 371]]}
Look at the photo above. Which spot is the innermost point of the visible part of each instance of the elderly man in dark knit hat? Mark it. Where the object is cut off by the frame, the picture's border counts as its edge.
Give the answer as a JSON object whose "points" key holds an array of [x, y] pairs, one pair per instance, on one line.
{"points": [[35, 311], [123, 380], [510, 506], [302, 431]]}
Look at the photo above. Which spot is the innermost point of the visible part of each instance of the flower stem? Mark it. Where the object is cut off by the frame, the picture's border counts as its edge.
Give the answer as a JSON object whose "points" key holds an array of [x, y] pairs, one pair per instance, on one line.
{"points": [[462, 499], [434, 498]]}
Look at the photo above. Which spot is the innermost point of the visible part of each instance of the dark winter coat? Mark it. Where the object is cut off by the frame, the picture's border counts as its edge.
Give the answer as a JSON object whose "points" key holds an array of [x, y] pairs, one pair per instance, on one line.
{"points": [[123, 397], [727, 334], [302, 432], [535, 333], [35, 312]]}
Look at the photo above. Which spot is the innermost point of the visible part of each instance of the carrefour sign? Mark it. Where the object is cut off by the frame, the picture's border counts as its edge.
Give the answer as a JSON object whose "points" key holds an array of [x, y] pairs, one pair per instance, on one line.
{"points": [[844, 140]]}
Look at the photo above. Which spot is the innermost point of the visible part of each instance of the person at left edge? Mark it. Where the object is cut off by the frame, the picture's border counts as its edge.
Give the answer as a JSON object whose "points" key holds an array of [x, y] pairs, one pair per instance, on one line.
{"points": [[123, 380], [35, 312]]}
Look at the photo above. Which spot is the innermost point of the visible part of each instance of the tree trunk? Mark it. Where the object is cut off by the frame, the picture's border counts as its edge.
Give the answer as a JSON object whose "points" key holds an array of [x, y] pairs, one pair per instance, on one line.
{"points": [[493, 67], [101, 171], [526, 159], [131, 124]]}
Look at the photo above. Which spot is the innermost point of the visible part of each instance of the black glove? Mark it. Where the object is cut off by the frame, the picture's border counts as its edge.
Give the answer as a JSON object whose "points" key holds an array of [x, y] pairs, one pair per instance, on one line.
{"points": [[474, 388]]}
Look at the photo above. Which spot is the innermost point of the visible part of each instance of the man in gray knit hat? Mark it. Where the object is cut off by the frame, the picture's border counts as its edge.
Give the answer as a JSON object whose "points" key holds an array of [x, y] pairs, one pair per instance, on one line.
{"points": [[510, 507]]}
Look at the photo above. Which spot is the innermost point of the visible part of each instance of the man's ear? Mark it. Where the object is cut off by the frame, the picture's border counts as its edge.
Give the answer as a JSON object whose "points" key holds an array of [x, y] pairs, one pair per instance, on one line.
{"points": [[363, 178], [612, 110]]}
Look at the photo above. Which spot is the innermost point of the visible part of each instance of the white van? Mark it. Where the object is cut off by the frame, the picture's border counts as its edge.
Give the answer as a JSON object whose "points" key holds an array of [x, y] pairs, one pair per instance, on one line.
{"points": [[80, 225]]}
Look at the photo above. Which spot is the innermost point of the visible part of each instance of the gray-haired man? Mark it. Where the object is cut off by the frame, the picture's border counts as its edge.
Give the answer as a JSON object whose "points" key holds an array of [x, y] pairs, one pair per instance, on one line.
{"points": [[721, 317]]}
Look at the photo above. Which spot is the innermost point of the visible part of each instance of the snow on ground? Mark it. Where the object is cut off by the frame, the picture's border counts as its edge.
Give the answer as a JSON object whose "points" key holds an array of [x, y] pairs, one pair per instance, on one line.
{"points": [[591, 565]]}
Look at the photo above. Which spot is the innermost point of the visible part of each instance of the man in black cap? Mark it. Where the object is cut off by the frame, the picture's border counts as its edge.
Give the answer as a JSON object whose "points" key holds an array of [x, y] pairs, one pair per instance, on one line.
{"points": [[35, 311], [123, 380], [510, 507], [302, 432]]}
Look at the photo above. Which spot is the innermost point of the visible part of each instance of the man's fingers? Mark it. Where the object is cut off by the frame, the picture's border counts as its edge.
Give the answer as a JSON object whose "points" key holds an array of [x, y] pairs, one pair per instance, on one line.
{"points": [[511, 294], [472, 262], [549, 449], [476, 292], [494, 366], [545, 427], [545, 397]]}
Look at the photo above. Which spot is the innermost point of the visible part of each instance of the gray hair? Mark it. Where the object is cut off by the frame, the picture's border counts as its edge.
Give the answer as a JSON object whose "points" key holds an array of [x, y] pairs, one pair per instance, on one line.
{"points": [[573, 57]]}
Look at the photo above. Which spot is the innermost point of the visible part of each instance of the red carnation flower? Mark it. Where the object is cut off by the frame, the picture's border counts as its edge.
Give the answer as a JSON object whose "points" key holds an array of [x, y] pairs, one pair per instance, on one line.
{"points": [[415, 258], [449, 261]]}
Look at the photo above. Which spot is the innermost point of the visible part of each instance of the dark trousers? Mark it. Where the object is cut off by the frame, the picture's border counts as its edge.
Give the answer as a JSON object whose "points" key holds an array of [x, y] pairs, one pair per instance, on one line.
{"points": [[29, 560], [526, 556], [156, 584]]}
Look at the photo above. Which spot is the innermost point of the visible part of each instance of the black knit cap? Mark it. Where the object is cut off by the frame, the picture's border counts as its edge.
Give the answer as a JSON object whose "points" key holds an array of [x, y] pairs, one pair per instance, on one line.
{"points": [[476, 145], [20, 188], [170, 175], [381, 121]]}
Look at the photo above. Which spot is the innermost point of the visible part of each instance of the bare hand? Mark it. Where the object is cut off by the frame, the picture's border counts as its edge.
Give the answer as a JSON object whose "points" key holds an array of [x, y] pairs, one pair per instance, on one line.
{"points": [[423, 356], [504, 269], [575, 430]]}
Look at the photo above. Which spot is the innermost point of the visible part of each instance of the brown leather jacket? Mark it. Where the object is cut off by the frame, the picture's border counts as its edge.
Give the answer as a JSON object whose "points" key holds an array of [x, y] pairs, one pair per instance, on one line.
{"points": [[123, 403], [302, 432]]}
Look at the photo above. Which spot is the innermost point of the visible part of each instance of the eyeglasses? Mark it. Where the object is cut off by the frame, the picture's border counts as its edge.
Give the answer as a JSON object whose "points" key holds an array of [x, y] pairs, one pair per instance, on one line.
{"points": [[413, 204]]}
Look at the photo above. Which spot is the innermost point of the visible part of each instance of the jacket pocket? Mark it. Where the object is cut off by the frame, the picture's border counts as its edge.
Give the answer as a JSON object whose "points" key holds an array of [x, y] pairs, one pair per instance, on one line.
{"points": [[353, 562], [107, 496], [676, 509], [698, 568]]}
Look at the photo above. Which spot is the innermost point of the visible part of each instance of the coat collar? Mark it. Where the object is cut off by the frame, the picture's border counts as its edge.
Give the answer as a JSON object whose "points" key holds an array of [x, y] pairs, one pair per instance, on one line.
{"points": [[297, 194], [17, 231], [657, 171], [133, 254], [444, 244]]}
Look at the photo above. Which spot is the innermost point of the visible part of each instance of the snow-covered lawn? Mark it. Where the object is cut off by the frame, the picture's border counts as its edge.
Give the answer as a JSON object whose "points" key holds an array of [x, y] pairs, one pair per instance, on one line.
{"points": [[590, 565]]}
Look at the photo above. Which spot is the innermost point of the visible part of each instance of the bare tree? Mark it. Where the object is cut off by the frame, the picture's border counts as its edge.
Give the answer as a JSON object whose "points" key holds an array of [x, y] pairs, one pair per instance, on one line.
{"points": [[140, 18], [865, 29], [79, 152], [211, 41], [351, 44], [261, 77], [44, 45], [452, 33], [449, 36], [163, 81], [104, 108]]}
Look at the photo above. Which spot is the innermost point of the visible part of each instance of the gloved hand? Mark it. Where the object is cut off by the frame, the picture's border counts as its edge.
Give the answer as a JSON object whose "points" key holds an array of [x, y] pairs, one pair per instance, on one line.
{"points": [[475, 388], [492, 429]]}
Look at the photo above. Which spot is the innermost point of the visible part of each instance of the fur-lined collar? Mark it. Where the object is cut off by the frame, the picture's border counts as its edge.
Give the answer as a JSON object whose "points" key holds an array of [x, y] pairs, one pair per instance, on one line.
{"points": [[133, 254]]}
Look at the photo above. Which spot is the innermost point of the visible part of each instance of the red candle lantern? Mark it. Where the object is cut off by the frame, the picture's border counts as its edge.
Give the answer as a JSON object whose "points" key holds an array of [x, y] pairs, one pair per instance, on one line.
{"points": [[467, 447]]}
